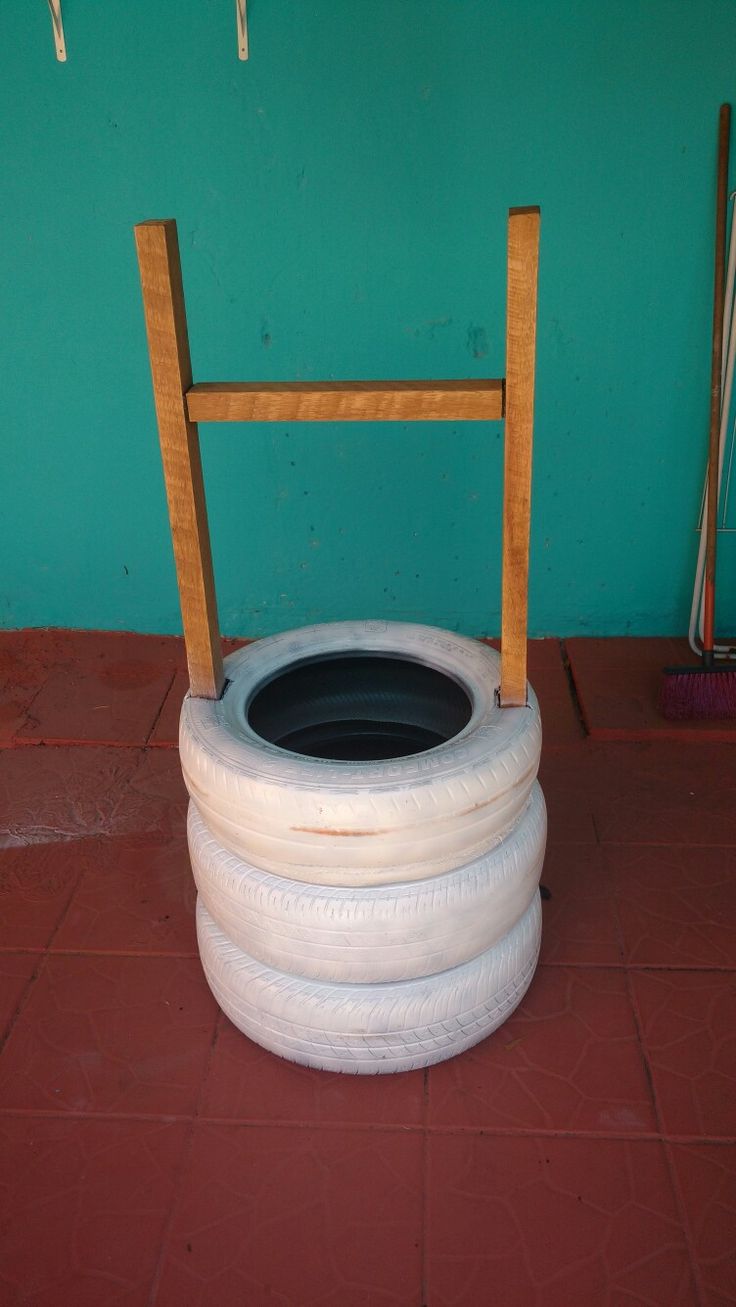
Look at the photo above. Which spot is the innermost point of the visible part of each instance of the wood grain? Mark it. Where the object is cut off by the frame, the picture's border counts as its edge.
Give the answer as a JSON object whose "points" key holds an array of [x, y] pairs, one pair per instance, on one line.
{"points": [[168, 347], [346, 401], [521, 324]]}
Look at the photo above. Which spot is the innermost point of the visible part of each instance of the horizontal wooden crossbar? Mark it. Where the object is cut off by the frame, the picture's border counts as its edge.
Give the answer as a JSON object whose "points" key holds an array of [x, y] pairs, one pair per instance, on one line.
{"points": [[346, 401]]}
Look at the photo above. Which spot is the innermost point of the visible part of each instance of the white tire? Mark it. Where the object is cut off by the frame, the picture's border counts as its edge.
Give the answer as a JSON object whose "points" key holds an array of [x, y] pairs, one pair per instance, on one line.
{"points": [[360, 823], [371, 1029], [380, 933]]}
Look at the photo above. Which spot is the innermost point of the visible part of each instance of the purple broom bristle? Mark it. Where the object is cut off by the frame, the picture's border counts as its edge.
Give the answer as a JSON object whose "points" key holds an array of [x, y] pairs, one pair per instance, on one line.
{"points": [[698, 694]]}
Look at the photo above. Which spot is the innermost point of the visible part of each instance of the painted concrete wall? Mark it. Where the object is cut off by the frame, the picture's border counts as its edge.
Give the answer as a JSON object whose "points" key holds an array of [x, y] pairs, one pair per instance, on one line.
{"points": [[341, 201]]}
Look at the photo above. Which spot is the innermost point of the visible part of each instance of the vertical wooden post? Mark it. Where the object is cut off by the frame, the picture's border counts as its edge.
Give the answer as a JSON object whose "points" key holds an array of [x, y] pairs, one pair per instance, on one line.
{"points": [[168, 347], [521, 325]]}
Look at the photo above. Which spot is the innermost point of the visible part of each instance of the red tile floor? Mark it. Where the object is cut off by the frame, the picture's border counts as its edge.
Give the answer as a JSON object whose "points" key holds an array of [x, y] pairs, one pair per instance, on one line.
{"points": [[583, 1156]]}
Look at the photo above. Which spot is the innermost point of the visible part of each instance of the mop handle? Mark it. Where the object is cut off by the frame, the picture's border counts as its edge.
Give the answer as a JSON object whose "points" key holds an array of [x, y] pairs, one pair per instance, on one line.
{"points": [[724, 128], [695, 631]]}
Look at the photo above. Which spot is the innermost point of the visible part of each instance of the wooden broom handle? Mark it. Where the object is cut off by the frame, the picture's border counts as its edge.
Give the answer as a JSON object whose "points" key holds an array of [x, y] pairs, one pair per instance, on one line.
{"points": [[709, 586], [521, 327]]}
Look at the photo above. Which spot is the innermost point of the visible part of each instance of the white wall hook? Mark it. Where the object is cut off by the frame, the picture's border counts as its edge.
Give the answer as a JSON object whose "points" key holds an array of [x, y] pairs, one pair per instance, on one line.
{"points": [[242, 29], [58, 26]]}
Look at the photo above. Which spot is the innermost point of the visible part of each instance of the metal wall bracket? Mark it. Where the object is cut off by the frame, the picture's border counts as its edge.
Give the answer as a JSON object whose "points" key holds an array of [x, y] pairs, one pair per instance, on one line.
{"points": [[242, 29], [60, 43], [58, 26]]}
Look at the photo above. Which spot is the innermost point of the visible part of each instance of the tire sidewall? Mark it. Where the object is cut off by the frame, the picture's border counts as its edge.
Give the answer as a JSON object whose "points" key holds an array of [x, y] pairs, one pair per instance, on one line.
{"points": [[498, 748]]}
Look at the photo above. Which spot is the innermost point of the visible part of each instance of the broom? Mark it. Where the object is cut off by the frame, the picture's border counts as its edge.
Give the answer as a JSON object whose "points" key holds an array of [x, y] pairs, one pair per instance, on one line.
{"points": [[709, 690]]}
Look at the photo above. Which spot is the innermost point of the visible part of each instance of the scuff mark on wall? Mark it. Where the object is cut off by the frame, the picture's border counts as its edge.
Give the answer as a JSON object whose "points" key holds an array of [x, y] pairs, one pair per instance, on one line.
{"points": [[477, 342]]}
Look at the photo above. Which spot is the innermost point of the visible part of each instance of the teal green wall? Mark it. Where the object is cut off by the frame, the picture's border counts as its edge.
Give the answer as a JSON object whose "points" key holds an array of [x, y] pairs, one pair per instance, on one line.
{"points": [[341, 201]]}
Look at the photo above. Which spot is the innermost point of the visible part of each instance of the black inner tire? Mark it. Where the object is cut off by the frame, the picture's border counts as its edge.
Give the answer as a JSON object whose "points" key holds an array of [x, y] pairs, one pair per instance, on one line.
{"points": [[359, 707]]}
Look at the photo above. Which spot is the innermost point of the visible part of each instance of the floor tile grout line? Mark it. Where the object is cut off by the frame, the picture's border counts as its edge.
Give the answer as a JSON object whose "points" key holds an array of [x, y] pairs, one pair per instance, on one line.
{"points": [[41, 950], [606, 735], [620, 936], [64, 742], [378, 1127], [636, 1014], [424, 1213], [688, 968], [42, 957], [69, 1114], [668, 844], [186, 1154], [551, 746], [554, 842], [181, 956], [682, 1213], [573, 691], [188, 955], [178, 1175], [27, 707], [20, 1006], [162, 705], [674, 1182], [49, 949], [620, 933]]}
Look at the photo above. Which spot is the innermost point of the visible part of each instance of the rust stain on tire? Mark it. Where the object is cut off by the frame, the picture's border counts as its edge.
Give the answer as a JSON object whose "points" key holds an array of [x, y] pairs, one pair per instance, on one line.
{"points": [[324, 830]]}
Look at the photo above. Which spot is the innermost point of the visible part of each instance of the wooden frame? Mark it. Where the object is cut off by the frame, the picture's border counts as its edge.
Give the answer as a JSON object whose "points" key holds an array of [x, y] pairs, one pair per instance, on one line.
{"points": [[180, 405]]}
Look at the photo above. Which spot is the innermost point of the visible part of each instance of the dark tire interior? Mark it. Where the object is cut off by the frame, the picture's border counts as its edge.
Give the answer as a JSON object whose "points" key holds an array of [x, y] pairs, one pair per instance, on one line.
{"points": [[359, 707]]}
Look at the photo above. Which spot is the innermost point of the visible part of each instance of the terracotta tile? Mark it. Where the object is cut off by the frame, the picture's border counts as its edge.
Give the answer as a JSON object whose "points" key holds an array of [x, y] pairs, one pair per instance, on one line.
{"points": [[84, 1208], [50, 795], [105, 700], [663, 793], [626, 651], [247, 1083], [619, 702], [568, 1059], [689, 1030], [553, 1222], [36, 884], [87, 685], [565, 778], [21, 678], [61, 646], [134, 896], [296, 1216], [579, 919], [25, 660], [677, 905], [111, 1034], [706, 1174], [16, 970]]}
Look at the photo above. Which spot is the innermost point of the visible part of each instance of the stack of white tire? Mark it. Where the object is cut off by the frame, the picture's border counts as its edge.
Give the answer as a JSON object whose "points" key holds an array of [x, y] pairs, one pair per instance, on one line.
{"points": [[366, 916]]}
